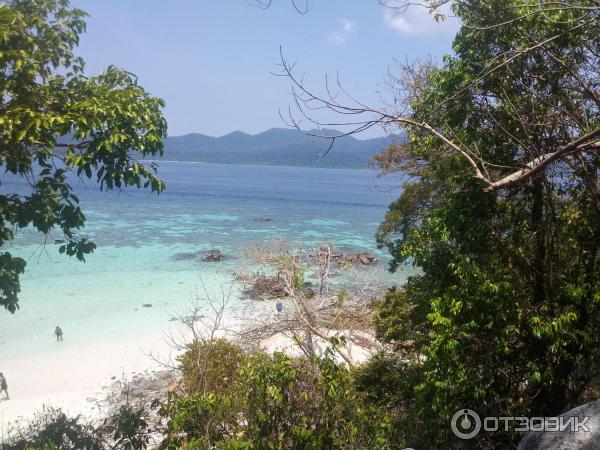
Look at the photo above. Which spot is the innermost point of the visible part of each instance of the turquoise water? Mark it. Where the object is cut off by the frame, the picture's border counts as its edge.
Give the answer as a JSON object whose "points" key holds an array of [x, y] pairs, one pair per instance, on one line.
{"points": [[205, 206]]}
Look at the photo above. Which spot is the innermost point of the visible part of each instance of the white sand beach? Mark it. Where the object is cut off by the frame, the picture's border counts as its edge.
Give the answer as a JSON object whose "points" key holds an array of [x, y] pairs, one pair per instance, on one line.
{"points": [[74, 376]]}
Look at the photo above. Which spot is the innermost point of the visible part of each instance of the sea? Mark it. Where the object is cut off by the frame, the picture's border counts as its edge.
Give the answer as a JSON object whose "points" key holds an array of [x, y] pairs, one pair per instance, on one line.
{"points": [[137, 281]]}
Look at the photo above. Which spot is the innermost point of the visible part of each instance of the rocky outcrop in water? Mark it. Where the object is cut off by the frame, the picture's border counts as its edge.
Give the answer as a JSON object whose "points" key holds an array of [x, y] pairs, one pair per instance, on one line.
{"points": [[213, 256], [264, 287], [263, 219], [267, 287], [359, 258], [209, 256]]}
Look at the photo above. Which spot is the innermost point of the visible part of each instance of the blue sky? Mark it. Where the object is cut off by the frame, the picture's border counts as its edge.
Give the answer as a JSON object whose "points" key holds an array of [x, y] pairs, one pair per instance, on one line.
{"points": [[211, 60]]}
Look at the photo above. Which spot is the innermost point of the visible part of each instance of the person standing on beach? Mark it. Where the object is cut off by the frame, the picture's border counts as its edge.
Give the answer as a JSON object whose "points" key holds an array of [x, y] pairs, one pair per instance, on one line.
{"points": [[3, 386], [58, 332]]}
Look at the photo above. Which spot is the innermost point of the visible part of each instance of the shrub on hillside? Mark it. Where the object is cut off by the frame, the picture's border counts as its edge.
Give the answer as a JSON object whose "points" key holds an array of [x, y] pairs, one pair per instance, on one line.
{"points": [[276, 402], [52, 429]]}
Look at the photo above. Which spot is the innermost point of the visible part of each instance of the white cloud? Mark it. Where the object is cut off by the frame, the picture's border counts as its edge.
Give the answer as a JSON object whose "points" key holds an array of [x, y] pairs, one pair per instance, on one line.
{"points": [[416, 21], [340, 34]]}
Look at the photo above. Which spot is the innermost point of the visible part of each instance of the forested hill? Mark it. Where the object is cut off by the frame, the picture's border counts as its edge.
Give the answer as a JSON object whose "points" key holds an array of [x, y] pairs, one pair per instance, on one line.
{"points": [[276, 146]]}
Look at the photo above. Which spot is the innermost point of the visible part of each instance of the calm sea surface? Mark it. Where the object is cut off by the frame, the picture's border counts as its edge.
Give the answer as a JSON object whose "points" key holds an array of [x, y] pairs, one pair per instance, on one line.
{"points": [[205, 206]]}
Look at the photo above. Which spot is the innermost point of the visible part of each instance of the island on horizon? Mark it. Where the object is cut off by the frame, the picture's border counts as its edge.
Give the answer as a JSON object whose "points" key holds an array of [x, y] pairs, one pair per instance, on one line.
{"points": [[278, 147]]}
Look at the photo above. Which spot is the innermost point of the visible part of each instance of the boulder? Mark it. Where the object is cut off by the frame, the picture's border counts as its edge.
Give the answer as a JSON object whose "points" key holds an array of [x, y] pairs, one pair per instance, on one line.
{"points": [[263, 287], [212, 256], [359, 258], [567, 439], [269, 287]]}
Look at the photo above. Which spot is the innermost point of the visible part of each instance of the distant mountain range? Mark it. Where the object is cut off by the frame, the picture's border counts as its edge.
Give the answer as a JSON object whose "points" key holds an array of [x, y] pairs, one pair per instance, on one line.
{"points": [[277, 146]]}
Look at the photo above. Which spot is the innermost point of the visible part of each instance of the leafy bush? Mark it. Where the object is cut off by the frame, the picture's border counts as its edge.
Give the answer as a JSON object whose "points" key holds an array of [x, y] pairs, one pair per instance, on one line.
{"points": [[53, 430], [128, 428], [210, 365], [277, 402]]}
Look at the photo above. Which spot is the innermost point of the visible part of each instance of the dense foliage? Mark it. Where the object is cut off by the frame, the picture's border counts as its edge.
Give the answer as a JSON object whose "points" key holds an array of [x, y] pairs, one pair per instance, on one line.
{"points": [[232, 400], [52, 429], [56, 123], [270, 402], [210, 366], [502, 316]]}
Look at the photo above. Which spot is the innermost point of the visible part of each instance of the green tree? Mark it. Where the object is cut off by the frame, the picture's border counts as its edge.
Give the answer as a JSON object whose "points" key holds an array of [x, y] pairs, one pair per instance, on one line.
{"points": [[500, 214], [502, 218], [57, 124]]}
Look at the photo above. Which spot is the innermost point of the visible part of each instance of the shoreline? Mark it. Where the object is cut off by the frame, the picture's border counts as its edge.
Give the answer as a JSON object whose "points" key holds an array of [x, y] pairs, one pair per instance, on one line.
{"points": [[75, 378]]}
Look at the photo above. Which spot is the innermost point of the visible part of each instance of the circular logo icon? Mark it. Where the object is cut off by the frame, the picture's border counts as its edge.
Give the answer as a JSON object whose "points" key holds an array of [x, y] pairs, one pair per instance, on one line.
{"points": [[466, 423]]}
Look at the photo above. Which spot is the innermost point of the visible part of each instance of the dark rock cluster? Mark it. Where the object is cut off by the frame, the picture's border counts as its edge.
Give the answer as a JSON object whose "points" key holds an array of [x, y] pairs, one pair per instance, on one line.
{"points": [[267, 287], [212, 256], [359, 258]]}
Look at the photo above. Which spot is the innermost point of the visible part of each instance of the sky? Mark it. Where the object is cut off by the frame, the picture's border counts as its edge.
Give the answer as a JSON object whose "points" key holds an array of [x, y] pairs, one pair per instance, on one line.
{"points": [[213, 60]]}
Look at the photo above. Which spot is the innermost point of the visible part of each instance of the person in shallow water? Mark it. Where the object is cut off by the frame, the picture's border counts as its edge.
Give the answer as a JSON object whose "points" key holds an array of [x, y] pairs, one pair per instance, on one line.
{"points": [[58, 332], [3, 386]]}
